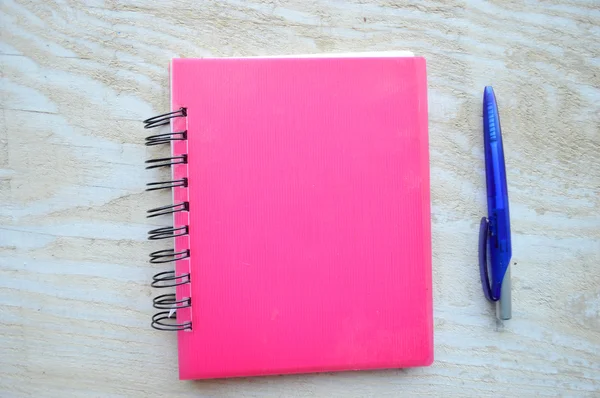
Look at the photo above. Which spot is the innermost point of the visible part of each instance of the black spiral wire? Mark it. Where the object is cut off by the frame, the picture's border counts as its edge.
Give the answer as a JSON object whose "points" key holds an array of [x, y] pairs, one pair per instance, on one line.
{"points": [[164, 119], [166, 320]]}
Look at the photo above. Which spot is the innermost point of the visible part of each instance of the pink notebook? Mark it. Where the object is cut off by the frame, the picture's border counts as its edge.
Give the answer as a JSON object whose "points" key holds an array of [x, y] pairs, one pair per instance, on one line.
{"points": [[301, 215]]}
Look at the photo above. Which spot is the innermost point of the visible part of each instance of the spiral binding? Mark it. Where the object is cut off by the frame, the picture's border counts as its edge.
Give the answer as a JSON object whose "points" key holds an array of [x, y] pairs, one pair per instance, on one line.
{"points": [[169, 301], [166, 138], [164, 321], [168, 256], [164, 119], [167, 320], [166, 184], [169, 279], [159, 211], [167, 232]]}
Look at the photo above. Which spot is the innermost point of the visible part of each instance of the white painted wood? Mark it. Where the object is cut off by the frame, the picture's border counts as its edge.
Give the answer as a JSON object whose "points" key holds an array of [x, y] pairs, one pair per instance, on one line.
{"points": [[77, 78]]}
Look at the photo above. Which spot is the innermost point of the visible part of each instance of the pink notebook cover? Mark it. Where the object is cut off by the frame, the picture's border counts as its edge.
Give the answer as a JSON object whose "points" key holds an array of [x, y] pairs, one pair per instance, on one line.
{"points": [[309, 215]]}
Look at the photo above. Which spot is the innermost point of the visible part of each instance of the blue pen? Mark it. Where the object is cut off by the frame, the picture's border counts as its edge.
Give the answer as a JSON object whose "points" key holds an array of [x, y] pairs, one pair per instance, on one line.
{"points": [[494, 232]]}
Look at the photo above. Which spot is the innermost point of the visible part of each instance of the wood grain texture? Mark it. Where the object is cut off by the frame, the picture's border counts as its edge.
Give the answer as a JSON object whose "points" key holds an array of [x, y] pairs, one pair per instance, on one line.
{"points": [[77, 78]]}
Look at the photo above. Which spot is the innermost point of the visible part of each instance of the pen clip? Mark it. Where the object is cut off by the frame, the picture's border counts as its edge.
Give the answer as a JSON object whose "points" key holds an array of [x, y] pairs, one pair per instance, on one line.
{"points": [[483, 264]]}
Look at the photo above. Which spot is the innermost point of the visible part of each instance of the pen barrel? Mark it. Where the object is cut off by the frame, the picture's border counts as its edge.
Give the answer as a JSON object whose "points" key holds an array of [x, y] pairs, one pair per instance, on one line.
{"points": [[500, 231], [497, 197]]}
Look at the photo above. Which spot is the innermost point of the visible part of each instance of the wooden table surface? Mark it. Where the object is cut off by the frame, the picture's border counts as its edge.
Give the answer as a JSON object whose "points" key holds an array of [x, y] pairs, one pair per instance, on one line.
{"points": [[76, 79]]}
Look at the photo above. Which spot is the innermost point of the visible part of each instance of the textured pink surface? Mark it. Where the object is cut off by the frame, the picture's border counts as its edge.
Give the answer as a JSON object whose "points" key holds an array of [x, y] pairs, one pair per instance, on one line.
{"points": [[309, 215]]}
